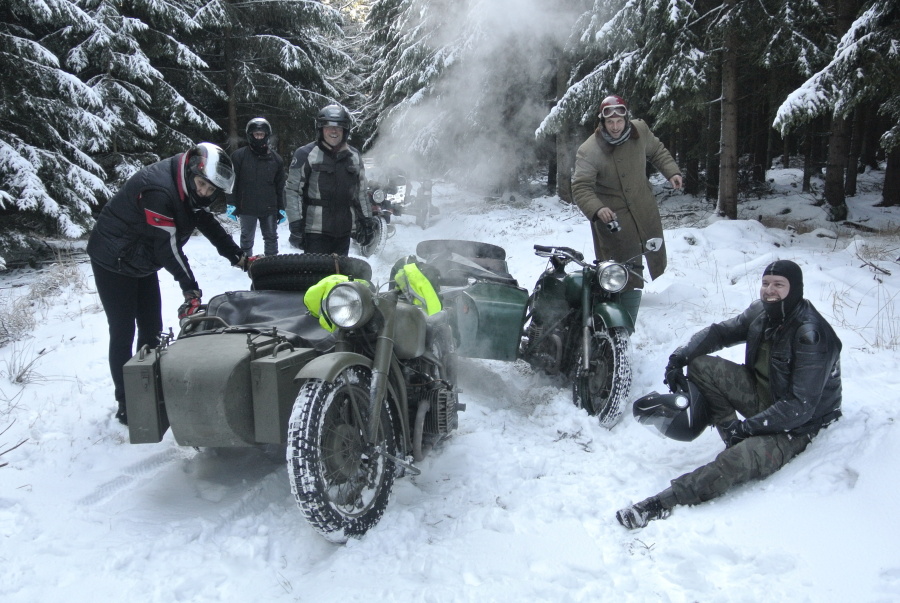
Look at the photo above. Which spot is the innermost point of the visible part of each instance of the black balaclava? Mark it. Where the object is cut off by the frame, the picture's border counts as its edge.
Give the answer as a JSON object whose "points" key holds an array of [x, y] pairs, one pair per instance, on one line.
{"points": [[258, 146], [777, 311]]}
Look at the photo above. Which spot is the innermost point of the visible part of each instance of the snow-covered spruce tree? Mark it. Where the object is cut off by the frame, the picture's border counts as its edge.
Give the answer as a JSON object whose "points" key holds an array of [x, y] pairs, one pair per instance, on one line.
{"points": [[126, 57], [50, 123], [279, 59], [865, 67], [462, 86]]}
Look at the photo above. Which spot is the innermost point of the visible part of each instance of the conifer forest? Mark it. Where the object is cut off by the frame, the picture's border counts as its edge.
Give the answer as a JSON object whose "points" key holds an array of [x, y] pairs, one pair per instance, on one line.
{"points": [[499, 93]]}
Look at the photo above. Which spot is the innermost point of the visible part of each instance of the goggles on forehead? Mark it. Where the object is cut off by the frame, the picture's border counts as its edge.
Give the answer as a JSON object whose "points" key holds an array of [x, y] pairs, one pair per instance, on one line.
{"points": [[614, 111]]}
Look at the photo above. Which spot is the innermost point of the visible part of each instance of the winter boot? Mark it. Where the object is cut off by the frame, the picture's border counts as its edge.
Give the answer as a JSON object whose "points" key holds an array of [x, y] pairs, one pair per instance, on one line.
{"points": [[640, 514], [121, 415]]}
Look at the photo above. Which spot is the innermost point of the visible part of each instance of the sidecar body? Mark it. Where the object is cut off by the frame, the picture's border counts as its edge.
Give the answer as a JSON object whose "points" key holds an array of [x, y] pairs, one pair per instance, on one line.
{"points": [[487, 305], [228, 379]]}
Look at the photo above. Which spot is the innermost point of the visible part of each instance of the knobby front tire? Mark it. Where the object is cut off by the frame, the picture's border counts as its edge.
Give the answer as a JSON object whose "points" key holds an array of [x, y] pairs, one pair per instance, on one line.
{"points": [[603, 388], [341, 486]]}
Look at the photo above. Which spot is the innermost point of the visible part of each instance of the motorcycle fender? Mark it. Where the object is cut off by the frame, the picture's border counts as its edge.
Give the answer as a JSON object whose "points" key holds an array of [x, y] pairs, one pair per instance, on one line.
{"points": [[614, 315], [329, 366]]}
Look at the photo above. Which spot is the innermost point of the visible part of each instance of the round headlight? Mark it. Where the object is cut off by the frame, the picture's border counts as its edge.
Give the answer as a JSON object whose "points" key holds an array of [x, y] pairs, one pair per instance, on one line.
{"points": [[378, 196], [612, 277], [349, 305]]}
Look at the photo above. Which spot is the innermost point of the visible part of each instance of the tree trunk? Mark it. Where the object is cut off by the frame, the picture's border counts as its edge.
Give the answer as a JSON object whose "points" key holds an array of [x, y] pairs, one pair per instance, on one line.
{"points": [[712, 136], [890, 196], [728, 160], [808, 162], [228, 57], [839, 141], [859, 117], [871, 142], [565, 148], [835, 168]]}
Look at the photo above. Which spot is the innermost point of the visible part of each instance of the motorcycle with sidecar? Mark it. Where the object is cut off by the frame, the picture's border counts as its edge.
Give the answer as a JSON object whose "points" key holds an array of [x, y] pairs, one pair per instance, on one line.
{"points": [[574, 324], [357, 391]]}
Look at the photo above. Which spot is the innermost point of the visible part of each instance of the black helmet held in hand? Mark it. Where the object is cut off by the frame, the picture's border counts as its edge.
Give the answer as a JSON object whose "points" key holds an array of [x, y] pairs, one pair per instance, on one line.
{"points": [[682, 415], [210, 162]]}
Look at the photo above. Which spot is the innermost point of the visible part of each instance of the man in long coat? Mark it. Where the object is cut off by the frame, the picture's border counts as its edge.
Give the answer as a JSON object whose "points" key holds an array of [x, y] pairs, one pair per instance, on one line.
{"points": [[610, 186]]}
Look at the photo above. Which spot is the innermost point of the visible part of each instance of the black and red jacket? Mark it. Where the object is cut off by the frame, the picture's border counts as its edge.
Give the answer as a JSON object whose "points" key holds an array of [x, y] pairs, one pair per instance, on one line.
{"points": [[145, 225]]}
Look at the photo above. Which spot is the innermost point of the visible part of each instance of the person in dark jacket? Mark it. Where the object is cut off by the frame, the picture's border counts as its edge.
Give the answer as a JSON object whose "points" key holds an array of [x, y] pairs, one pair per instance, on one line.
{"points": [[325, 194], [788, 388], [258, 188], [611, 188], [142, 229]]}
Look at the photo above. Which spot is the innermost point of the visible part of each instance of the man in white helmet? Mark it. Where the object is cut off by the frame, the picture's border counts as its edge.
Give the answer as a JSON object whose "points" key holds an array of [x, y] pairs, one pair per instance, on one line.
{"points": [[142, 229]]}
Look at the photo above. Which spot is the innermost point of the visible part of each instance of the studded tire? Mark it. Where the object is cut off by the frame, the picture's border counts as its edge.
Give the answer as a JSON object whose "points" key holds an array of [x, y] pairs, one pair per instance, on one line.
{"points": [[340, 484], [603, 388], [300, 271]]}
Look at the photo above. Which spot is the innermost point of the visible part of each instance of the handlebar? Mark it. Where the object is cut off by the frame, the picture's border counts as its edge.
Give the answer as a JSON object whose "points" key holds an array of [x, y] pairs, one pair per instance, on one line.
{"points": [[563, 253]]}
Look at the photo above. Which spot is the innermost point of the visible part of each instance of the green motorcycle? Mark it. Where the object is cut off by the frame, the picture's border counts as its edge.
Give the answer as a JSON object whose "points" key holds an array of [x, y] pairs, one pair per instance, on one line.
{"points": [[574, 324]]}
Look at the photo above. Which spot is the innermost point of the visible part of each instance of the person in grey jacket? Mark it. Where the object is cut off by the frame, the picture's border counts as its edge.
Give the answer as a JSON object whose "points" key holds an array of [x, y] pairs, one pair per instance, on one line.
{"points": [[325, 194], [258, 194], [610, 186], [788, 388]]}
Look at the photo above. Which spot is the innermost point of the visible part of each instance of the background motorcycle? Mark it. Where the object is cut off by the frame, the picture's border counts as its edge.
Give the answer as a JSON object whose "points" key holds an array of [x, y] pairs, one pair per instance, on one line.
{"points": [[573, 324], [370, 408]]}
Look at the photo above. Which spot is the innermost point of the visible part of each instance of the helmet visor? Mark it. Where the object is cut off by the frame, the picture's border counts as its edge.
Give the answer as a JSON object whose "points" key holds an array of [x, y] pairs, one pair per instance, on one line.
{"points": [[613, 111]]}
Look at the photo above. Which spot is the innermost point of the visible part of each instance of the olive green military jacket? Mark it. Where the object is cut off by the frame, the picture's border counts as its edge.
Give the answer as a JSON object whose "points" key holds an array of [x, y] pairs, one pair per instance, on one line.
{"points": [[615, 177]]}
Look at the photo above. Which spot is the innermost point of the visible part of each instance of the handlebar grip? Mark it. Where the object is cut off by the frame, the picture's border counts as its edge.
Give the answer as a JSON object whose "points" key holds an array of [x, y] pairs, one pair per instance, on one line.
{"points": [[544, 248]]}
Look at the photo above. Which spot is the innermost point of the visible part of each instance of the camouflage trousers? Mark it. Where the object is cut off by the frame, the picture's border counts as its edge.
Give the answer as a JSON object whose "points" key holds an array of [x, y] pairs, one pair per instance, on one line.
{"points": [[728, 387]]}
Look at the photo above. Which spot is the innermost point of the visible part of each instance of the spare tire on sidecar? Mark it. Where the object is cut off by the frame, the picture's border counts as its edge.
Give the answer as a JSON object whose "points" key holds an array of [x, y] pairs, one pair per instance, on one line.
{"points": [[300, 271]]}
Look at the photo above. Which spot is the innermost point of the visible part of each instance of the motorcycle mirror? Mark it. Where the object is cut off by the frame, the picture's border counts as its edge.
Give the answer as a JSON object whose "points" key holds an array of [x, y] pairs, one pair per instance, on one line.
{"points": [[654, 244]]}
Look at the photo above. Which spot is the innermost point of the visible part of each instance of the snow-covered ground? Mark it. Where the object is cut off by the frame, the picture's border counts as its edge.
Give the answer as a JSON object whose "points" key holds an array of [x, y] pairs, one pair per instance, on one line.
{"points": [[519, 504]]}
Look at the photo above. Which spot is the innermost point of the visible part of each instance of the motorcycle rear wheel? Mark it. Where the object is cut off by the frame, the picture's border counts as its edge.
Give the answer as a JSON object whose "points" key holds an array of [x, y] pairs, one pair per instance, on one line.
{"points": [[341, 485], [603, 388]]}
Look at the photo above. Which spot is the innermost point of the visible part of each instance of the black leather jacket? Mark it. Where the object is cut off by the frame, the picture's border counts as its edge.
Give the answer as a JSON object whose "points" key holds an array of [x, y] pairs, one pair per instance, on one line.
{"points": [[259, 183], [145, 225], [804, 366]]}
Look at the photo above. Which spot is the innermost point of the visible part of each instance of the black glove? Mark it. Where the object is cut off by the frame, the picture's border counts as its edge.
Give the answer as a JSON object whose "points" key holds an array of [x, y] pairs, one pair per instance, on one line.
{"points": [[674, 375], [733, 432], [366, 231], [191, 303], [296, 237]]}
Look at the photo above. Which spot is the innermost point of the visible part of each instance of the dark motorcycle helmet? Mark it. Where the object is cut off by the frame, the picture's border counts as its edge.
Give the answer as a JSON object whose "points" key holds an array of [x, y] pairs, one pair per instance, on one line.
{"points": [[259, 124], [681, 416], [333, 115], [208, 161]]}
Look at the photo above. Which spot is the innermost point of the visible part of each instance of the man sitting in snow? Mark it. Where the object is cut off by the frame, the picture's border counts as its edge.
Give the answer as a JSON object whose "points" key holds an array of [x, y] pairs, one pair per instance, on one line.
{"points": [[788, 388]]}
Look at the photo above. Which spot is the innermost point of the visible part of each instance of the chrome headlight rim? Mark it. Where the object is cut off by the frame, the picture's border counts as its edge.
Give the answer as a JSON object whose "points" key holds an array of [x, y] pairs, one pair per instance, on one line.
{"points": [[378, 195], [612, 276], [349, 305]]}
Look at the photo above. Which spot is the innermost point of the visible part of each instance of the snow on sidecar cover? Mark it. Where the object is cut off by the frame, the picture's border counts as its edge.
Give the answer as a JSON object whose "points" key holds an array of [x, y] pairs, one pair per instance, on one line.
{"points": [[457, 261]]}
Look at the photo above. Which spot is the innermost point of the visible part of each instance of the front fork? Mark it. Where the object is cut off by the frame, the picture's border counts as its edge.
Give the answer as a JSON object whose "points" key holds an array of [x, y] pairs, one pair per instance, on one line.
{"points": [[381, 363], [586, 310]]}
